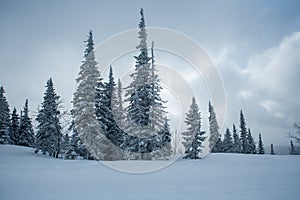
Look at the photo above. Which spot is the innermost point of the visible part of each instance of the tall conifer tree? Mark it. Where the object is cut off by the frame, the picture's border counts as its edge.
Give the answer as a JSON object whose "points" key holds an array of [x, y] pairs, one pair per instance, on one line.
{"points": [[26, 133], [214, 133], [15, 125], [251, 148], [84, 115], [138, 93], [243, 132], [272, 152], [49, 135], [228, 142], [261, 149], [5, 123], [193, 122], [236, 140], [84, 97]]}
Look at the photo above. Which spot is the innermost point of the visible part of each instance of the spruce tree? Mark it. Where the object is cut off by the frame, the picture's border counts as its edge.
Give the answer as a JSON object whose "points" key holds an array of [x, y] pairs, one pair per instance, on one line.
{"points": [[227, 142], [83, 112], [138, 93], [213, 126], [49, 136], [15, 125], [193, 123], [236, 140], [145, 111], [261, 149], [5, 124], [104, 115], [272, 152], [243, 133], [110, 98], [102, 104], [251, 144], [26, 133], [292, 149]]}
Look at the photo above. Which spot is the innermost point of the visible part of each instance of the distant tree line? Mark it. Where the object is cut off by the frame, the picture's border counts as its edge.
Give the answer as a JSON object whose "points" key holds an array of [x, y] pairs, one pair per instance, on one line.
{"points": [[240, 141]]}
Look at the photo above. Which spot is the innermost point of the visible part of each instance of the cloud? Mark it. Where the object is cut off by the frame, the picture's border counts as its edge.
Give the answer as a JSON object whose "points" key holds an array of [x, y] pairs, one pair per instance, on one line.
{"points": [[275, 75], [266, 88], [246, 94], [277, 69]]}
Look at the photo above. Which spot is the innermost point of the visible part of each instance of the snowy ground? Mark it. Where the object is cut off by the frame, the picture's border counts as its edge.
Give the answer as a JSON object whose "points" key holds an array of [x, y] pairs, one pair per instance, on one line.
{"points": [[27, 176]]}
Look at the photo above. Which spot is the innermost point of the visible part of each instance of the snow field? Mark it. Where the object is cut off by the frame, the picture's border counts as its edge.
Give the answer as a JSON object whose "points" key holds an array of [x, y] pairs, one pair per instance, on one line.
{"points": [[28, 176]]}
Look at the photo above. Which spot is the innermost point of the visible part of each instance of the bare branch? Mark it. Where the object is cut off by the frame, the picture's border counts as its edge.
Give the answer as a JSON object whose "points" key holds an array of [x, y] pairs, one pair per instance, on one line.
{"points": [[296, 135]]}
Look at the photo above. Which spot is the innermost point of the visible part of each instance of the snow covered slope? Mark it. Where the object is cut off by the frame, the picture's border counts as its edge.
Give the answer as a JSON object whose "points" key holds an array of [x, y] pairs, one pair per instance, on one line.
{"points": [[27, 176]]}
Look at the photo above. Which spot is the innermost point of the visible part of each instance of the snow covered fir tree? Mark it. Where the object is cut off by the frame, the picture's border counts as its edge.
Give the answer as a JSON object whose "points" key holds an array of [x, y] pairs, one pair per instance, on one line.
{"points": [[193, 137], [5, 124], [261, 149], [83, 112], [236, 141], [15, 124], [49, 135], [213, 127], [243, 132], [146, 110], [26, 135], [228, 145]]}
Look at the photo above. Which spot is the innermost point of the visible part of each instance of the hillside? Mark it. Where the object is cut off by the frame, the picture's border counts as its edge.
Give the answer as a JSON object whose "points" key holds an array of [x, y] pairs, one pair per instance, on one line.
{"points": [[27, 176]]}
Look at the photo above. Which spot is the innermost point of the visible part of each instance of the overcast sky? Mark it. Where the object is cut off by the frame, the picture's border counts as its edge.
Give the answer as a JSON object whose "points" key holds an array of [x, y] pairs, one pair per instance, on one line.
{"points": [[255, 45]]}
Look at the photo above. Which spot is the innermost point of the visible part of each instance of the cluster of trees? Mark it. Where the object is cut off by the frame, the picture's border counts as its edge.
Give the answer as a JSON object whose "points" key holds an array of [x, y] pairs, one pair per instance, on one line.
{"points": [[193, 138], [18, 129], [112, 131], [99, 116], [14, 128], [50, 139], [240, 143]]}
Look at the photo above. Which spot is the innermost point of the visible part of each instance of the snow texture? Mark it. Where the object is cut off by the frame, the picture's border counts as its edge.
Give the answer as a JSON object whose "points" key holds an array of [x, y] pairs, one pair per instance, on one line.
{"points": [[28, 176]]}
